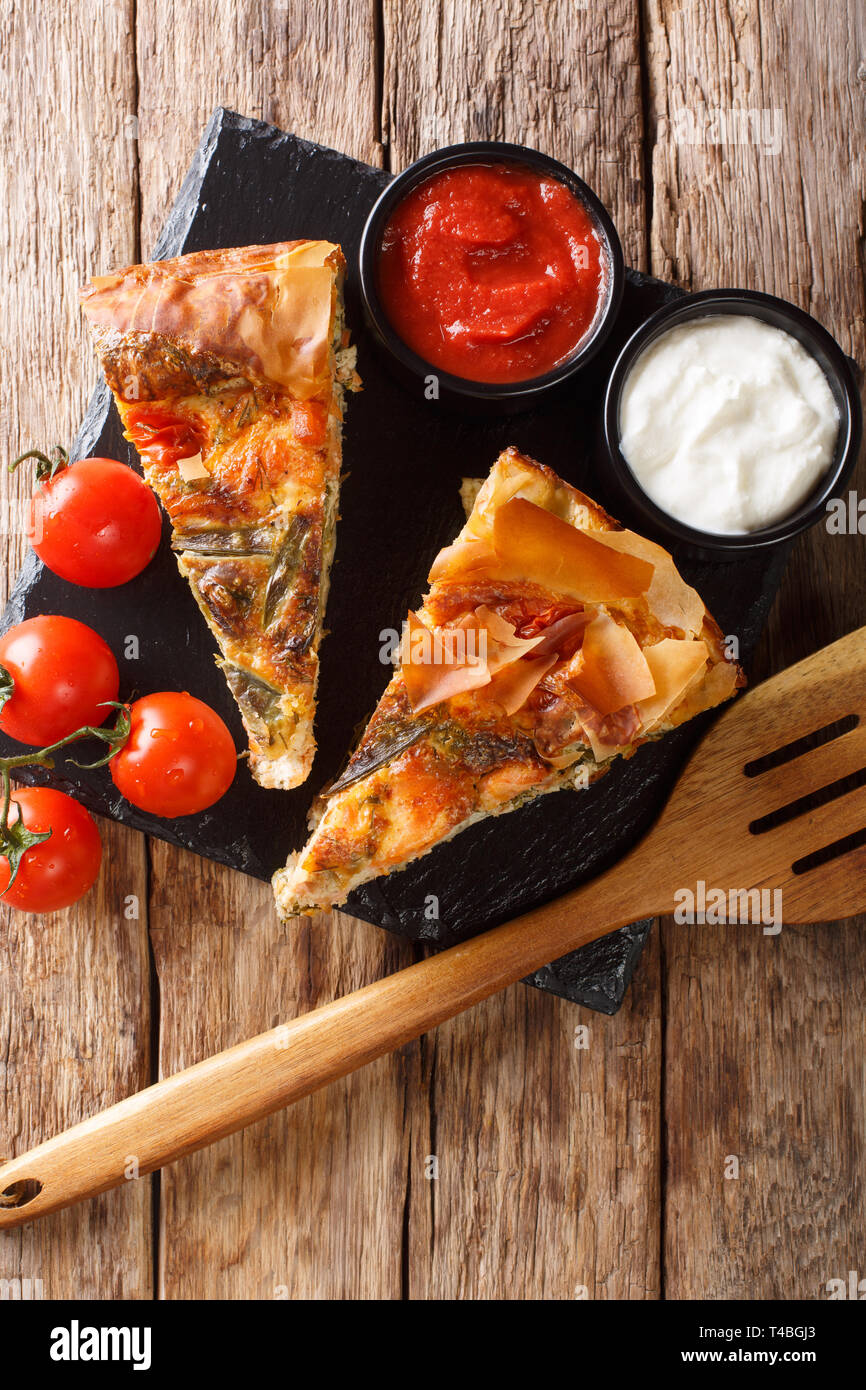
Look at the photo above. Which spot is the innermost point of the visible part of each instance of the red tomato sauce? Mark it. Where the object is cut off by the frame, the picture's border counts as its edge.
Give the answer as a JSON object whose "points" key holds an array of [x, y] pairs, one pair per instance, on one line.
{"points": [[161, 437], [492, 272]]}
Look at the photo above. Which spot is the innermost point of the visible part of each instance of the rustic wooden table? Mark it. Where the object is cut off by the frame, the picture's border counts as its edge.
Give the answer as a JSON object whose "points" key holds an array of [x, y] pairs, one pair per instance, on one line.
{"points": [[563, 1171]]}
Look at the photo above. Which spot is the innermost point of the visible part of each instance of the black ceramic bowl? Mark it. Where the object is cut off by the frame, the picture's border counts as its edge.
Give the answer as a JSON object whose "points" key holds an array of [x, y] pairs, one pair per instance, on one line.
{"points": [[511, 395], [634, 502]]}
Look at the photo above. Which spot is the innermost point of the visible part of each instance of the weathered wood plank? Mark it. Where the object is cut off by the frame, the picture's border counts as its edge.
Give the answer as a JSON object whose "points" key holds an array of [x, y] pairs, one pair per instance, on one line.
{"points": [[310, 1203], [74, 999], [545, 1132], [548, 1154], [764, 1086], [310, 69], [764, 1034], [74, 985], [522, 1206], [563, 77]]}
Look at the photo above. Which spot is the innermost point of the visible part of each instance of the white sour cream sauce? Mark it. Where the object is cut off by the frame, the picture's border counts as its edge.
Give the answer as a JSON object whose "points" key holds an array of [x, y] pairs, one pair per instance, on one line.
{"points": [[727, 423]]}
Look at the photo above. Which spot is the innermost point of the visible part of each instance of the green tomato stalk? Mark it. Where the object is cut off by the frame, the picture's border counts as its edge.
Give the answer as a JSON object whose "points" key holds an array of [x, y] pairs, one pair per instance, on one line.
{"points": [[46, 465], [16, 839]]}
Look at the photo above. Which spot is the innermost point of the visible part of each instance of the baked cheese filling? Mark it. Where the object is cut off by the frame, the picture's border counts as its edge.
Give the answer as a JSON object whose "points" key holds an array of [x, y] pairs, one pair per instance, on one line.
{"points": [[228, 369], [551, 642]]}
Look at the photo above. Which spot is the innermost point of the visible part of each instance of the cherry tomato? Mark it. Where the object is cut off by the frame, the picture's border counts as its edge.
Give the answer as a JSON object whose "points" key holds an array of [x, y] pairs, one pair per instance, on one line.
{"points": [[63, 672], [59, 870], [179, 757], [95, 523]]}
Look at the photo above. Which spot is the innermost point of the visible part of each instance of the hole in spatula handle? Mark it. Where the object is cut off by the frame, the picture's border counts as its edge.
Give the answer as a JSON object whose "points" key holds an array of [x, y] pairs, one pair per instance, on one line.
{"points": [[18, 1194]]}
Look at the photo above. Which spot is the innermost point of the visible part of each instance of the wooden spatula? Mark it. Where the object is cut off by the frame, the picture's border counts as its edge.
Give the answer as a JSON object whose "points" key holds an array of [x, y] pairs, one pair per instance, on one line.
{"points": [[774, 798]]}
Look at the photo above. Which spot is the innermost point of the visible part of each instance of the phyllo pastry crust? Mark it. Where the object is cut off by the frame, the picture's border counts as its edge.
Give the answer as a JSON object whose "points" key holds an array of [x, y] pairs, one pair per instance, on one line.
{"points": [[551, 642], [228, 369]]}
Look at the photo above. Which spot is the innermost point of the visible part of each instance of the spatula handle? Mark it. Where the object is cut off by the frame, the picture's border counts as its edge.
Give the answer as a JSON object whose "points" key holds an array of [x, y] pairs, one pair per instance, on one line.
{"points": [[233, 1089]]}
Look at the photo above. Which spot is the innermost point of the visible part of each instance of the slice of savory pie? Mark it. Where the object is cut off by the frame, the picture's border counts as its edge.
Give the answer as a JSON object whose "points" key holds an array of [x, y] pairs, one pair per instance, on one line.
{"points": [[228, 370], [550, 643]]}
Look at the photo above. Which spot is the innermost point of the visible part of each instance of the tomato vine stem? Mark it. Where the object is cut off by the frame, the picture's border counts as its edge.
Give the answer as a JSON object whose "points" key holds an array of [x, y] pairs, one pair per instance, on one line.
{"points": [[15, 838], [46, 465]]}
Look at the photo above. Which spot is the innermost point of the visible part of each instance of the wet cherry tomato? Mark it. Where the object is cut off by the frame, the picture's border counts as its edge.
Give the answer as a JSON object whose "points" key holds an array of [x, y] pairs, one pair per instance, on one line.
{"points": [[95, 523], [179, 757], [60, 870], [63, 673]]}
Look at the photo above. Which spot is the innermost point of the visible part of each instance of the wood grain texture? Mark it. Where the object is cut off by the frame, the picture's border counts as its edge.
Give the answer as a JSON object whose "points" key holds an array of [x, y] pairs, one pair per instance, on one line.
{"points": [[545, 1133], [706, 832], [68, 207], [765, 1039], [563, 77], [548, 1155], [307, 68], [309, 1203], [764, 1035], [73, 985], [75, 1009]]}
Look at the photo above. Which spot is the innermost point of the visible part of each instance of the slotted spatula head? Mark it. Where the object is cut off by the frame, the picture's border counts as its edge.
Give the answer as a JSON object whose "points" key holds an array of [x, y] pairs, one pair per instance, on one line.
{"points": [[770, 800], [775, 795]]}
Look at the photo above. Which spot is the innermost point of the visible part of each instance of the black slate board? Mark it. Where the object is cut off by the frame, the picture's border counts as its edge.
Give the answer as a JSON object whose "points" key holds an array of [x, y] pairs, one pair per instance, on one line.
{"points": [[252, 183]]}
